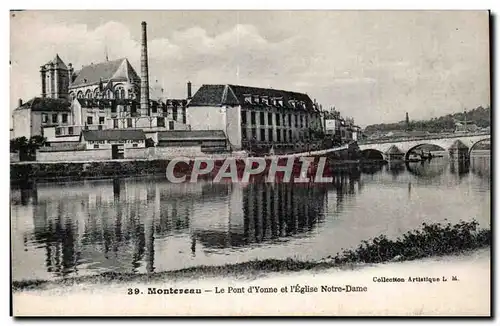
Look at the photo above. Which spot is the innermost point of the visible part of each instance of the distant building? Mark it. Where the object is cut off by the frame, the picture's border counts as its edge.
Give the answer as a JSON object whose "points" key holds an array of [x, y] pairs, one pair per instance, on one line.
{"points": [[343, 130], [107, 139], [207, 140], [30, 118], [252, 116], [469, 127]]}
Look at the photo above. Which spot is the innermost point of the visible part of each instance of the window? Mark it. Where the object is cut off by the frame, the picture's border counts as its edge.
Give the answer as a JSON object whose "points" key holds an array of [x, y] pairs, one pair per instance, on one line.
{"points": [[58, 131], [154, 108], [101, 120], [244, 134], [134, 145], [115, 123], [262, 118], [270, 133], [265, 101], [252, 118], [296, 121], [254, 133], [170, 125], [243, 117], [290, 120], [160, 122], [269, 118], [129, 122], [45, 117], [184, 115], [262, 134], [278, 135], [70, 130], [89, 120], [65, 118], [54, 118], [96, 146], [99, 127], [278, 119], [289, 135], [174, 113]]}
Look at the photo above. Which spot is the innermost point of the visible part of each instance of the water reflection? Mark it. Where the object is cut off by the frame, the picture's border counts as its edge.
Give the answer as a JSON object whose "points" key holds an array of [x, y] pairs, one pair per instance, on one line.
{"points": [[113, 225], [147, 225]]}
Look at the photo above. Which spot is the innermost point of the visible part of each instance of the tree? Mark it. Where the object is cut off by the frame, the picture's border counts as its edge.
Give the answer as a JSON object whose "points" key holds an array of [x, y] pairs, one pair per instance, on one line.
{"points": [[18, 144]]}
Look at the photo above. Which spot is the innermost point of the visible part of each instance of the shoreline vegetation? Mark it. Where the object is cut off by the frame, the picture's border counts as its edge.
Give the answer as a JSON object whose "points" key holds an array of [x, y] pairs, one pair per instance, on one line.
{"points": [[432, 240]]}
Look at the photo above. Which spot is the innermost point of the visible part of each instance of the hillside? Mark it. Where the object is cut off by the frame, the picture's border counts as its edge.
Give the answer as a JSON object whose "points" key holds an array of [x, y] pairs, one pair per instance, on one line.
{"points": [[479, 116]]}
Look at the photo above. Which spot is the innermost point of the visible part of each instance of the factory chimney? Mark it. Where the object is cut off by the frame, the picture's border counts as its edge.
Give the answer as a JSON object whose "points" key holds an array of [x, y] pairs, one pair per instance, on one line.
{"points": [[189, 90], [144, 72]]}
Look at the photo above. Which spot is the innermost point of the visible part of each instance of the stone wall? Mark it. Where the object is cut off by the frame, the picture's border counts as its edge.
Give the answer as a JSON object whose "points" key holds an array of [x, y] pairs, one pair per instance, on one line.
{"points": [[73, 156]]}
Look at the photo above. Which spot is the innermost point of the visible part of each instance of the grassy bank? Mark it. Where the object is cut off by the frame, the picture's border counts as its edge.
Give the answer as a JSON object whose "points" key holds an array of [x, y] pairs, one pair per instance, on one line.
{"points": [[429, 241]]}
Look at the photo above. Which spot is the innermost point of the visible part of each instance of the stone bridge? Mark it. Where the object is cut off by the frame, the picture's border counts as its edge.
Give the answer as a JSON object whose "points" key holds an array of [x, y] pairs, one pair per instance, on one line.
{"points": [[448, 142]]}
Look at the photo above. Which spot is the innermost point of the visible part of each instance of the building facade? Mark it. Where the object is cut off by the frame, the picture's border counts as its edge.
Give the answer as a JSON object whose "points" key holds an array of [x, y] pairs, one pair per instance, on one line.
{"points": [[253, 117], [30, 118]]}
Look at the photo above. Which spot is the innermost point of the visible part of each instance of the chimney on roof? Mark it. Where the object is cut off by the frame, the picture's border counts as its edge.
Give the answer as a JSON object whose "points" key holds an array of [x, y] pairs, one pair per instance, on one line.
{"points": [[20, 102], [144, 72], [189, 96]]}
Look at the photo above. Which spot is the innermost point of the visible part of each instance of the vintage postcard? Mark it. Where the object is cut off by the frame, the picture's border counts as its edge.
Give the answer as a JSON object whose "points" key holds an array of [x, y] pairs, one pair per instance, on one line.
{"points": [[250, 163]]}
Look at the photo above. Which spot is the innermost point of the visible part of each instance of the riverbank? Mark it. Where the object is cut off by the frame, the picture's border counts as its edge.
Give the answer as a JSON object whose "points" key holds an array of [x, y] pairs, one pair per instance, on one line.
{"points": [[62, 171], [432, 240], [468, 295]]}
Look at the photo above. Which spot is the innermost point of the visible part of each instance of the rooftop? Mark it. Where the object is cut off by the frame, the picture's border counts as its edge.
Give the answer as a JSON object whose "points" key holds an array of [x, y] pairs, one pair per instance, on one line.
{"points": [[114, 134], [117, 70], [38, 104], [191, 134], [218, 95], [57, 63]]}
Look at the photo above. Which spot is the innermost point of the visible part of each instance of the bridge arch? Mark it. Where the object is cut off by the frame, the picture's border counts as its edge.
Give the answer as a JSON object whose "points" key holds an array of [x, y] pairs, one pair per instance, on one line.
{"points": [[407, 154], [476, 143]]}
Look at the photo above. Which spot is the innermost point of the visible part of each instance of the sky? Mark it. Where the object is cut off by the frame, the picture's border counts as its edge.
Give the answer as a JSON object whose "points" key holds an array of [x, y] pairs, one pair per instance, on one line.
{"points": [[373, 66]]}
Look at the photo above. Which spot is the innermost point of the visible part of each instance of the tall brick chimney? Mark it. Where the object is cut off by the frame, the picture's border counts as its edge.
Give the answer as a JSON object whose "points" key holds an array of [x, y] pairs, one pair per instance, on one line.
{"points": [[144, 72], [189, 90]]}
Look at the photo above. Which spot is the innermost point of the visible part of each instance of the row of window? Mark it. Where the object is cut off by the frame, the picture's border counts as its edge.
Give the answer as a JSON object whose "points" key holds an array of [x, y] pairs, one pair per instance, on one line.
{"points": [[127, 141], [278, 102], [119, 93], [54, 118], [301, 121], [96, 146], [281, 135]]}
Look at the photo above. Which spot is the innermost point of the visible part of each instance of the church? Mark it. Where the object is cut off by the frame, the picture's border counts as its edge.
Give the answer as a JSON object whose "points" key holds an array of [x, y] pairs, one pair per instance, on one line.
{"points": [[99, 96]]}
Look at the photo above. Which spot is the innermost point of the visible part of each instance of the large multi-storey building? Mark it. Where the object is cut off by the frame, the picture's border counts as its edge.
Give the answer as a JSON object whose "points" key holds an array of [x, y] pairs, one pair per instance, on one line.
{"points": [[252, 116]]}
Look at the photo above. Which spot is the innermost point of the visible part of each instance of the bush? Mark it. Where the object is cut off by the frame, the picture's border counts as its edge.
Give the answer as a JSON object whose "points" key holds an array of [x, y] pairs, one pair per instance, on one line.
{"points": [[432, 240]]}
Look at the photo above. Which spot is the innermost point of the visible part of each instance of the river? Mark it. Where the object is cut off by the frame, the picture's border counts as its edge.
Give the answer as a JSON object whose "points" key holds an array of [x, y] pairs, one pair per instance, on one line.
{"points": [[147, 225]]}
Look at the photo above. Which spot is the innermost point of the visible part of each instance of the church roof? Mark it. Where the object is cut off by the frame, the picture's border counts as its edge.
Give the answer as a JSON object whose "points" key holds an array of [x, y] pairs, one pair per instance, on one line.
{"points": [[57, 62], [116, 70]]}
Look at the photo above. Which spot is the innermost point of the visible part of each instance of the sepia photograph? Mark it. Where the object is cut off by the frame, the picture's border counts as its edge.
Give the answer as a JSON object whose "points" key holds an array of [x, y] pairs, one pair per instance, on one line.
{"points": [[250, 163]]}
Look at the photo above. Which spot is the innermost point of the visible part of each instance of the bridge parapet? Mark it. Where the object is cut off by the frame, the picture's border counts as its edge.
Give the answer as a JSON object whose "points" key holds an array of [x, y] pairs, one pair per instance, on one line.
{"points": [[427, 137], [445, 142]]}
